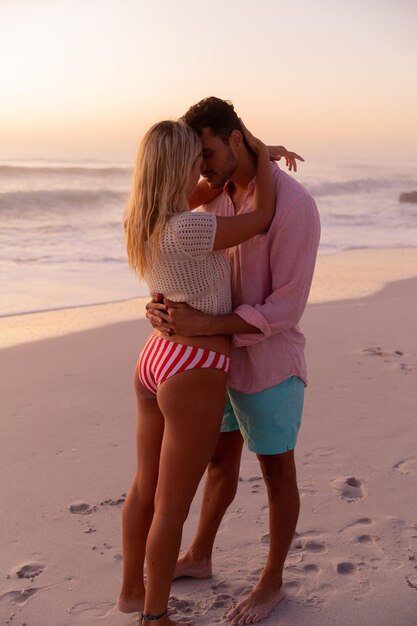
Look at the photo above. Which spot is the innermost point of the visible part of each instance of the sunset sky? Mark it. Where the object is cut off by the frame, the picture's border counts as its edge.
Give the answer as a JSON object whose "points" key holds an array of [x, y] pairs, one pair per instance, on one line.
{"points": [[87, 77]]}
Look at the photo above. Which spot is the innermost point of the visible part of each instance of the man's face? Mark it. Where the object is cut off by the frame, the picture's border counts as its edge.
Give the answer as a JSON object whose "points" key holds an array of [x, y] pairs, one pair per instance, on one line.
{"points": [[220, 160]]}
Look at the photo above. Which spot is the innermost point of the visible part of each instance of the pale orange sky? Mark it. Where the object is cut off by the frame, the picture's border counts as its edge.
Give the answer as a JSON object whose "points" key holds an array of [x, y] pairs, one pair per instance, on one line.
{"points": [[87, 78]]}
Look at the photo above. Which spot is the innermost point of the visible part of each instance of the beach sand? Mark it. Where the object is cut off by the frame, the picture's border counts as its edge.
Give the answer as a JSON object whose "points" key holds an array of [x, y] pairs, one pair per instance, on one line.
{"points": [[67, 457]]}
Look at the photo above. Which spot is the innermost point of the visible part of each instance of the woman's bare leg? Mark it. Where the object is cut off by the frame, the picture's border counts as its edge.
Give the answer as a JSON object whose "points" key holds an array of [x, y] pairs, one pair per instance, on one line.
{"points": [[139, 506], [219, 492], [192, 404]]}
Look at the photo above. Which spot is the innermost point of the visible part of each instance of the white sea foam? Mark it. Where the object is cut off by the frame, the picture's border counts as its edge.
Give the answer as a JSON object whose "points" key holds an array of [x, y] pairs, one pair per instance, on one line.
{"points": [[10, 171], [17, 203]]}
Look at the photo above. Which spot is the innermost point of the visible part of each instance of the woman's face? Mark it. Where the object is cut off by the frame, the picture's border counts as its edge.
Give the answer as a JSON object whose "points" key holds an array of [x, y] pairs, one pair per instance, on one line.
{"points": [[194, 175]]}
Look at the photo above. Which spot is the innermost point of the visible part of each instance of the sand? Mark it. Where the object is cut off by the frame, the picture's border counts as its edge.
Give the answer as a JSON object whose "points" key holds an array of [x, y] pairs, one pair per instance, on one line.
{"points": [[67, 456]]}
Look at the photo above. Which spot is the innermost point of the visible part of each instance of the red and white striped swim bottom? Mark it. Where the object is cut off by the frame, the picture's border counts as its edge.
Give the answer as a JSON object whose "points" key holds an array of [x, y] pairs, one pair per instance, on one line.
{"points": [[161, 358]]}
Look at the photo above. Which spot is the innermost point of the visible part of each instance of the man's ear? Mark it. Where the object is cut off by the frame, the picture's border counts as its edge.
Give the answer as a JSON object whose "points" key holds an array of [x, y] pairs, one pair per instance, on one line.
{"points": [[236, 139]]}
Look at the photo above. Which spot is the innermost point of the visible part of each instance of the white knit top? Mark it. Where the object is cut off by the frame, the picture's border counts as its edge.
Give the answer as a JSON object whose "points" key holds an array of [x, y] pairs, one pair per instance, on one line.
{"points": [[187, 269]]}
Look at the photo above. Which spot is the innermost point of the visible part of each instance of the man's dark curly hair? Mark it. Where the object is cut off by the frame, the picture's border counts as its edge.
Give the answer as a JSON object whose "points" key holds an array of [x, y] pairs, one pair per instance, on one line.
{"points": [[216, 114]]}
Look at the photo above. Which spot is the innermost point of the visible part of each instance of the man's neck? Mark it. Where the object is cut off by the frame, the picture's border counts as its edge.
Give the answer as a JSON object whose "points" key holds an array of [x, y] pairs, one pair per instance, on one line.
{"points": [[245, 171]]}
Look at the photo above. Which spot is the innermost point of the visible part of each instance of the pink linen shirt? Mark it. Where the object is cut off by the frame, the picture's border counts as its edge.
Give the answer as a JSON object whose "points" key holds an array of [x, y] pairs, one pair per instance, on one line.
{"points": [[271, 279]]}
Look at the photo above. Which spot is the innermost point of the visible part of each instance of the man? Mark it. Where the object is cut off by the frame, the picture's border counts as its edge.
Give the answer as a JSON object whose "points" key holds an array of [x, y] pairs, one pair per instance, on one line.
{"points": [[271, 278]]}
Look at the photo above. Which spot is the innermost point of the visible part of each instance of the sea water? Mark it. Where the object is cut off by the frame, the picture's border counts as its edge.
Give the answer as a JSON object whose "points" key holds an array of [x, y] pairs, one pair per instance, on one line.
{"points": [[61, 233]]}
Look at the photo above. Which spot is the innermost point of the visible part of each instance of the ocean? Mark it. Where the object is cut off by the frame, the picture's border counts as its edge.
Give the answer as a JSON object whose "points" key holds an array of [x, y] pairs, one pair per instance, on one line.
{"points": [[61, 235]]}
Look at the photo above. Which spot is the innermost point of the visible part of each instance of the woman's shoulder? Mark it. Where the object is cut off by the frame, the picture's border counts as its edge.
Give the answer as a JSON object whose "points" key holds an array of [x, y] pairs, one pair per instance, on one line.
{"points": [[193, 232], [192, 220]]}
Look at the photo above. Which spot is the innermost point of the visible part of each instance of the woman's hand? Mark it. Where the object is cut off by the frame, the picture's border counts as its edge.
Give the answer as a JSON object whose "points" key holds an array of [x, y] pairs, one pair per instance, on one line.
{"points": [[277, 152]]}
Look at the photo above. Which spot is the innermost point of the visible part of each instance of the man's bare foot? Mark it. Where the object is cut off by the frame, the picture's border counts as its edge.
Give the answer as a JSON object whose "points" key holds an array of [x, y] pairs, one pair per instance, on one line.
{"points": [[257, 605], [130, 604], [193, 568]]}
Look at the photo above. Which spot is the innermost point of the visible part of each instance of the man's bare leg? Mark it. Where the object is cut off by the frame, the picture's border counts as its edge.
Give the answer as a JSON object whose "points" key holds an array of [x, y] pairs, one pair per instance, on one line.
{"points": [[219, 492], [284, 505]]}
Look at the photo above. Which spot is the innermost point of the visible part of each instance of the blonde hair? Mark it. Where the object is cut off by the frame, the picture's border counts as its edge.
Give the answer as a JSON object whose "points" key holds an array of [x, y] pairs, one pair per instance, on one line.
{"points": [[159, 190]]}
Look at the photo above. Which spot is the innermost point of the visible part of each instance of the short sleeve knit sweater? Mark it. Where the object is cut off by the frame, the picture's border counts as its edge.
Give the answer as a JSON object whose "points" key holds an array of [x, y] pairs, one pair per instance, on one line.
{"points": [[187, 269]]}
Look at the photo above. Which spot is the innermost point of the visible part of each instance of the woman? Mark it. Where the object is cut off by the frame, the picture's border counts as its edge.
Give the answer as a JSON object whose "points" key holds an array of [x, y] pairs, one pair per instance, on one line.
{"points": [[180, 382]]}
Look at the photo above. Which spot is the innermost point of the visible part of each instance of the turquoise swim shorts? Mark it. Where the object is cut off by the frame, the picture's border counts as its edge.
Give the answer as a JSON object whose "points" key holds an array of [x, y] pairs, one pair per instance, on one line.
{"points": [[269, 420]]}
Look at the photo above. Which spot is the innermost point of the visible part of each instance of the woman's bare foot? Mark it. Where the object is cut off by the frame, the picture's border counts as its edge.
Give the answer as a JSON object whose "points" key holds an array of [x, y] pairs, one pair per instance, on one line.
{"points": [[257, 605], [187, 565], [130, 603]]}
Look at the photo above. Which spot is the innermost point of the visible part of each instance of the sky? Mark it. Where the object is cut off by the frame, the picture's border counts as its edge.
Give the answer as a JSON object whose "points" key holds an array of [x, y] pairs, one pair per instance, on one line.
{"points": [[86, 78]]}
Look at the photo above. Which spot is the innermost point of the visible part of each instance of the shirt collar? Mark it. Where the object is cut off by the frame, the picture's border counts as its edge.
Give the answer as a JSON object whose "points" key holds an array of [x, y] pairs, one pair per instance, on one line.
{"points": [[251, 185]]}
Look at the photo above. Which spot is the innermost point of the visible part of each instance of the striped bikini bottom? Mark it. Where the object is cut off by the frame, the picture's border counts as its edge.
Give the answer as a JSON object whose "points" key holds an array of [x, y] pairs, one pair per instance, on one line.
{"points": [[161, 358]]}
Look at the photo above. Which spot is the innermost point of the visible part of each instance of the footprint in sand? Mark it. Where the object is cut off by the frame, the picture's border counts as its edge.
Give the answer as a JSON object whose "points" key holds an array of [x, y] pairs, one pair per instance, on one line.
{"points": [[114, 501], [313, 600], [30, 570], [306, 487], [307, 533], [378, 351], [301, 544], [81, 508], [311, 568], [91, 609], [390, 357], [350, 488], [22, 596], [318, 453], [406, 368], [85, 508], [221, 584], [221, 601], [364, 539], [292, 586], [101, 548], [406, 466], [185, 610], [315, 547], [346, 568], [412, 581], [355, 577], [180, 606], [375, 351], [362, 521]]}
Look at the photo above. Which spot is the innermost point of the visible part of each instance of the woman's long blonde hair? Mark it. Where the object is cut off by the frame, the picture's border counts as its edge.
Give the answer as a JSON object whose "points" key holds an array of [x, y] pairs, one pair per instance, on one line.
{"points": [[159, 191]]}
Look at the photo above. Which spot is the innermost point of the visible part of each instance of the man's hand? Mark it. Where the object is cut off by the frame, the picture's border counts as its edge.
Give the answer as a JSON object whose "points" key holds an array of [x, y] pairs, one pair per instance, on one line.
{"points": [[176, 318], [156, 312]]}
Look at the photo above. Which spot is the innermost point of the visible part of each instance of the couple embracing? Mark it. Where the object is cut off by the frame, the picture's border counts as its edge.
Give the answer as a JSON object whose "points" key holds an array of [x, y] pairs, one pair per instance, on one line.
{"points": [[230, 281]]}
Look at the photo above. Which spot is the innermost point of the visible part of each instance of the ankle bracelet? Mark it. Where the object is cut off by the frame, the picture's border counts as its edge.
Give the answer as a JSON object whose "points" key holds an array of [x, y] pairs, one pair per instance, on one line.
{"points": [[150, 618]]}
